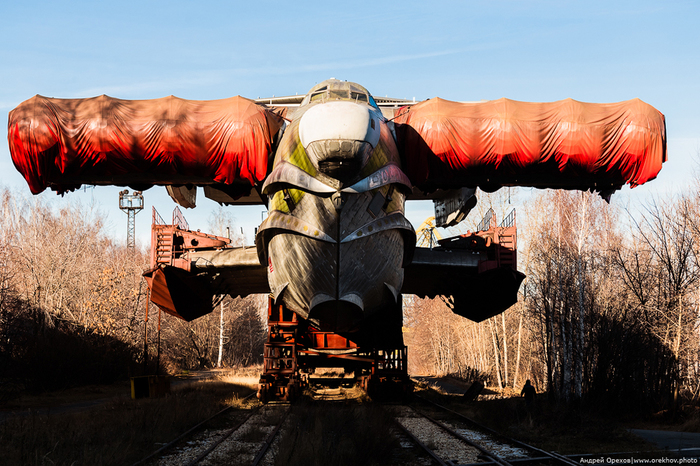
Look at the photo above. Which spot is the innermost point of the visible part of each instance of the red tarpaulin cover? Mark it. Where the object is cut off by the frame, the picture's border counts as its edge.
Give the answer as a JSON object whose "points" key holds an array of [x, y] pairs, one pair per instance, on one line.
{"points": [[564, 144], [63, 143]]}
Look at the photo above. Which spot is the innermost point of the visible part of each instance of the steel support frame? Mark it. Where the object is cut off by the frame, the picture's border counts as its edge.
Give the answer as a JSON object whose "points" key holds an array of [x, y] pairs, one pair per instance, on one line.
{"points": [[294, 349]]}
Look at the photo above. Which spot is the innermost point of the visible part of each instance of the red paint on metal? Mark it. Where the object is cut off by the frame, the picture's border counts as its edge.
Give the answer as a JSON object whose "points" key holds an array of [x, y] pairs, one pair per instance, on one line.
{"points": [[160, 294], [295, 348], [173, 290], [169, 243]]}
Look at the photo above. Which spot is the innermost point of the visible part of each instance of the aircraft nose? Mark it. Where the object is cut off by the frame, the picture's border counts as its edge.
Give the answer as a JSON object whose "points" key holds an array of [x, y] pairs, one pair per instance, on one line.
{"points": [[339, 137]]}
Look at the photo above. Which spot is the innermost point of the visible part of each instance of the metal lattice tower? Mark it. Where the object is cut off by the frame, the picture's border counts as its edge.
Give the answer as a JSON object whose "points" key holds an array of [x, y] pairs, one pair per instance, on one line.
{"points": [[131, 204], [427, 235]]}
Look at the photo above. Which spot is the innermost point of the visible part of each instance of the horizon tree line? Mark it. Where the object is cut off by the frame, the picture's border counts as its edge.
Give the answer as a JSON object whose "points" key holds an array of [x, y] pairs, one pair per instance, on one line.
{"points": [[609, 308]]}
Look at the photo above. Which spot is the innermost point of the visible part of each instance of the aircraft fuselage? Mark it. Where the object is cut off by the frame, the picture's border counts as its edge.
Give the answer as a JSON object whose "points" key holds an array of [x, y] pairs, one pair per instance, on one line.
{"points": [[336, 237]]}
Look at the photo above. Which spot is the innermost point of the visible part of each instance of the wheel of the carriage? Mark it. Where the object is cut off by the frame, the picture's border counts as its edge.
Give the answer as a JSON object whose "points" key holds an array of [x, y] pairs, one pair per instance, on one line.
{"points": [[291, 391], [370, 385], [407, 391], [262, 393], [363, 383]]}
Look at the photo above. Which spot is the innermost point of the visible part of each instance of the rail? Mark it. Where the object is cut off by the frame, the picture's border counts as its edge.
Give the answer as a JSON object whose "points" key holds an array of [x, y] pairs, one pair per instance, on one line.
{"points": [[157, 219], [268, 441], [420, 444], [173, 442], [550, 455], [484, 453], [260, 453], [487, 221], [509, 220], [179, 219], [221, 439]]}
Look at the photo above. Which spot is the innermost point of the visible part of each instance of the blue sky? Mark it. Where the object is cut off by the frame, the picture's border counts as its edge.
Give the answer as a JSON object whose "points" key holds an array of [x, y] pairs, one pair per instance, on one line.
{"points": [[458, 50]]}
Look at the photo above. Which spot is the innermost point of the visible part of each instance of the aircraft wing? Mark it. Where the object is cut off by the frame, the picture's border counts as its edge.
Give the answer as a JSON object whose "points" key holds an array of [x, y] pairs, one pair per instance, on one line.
{"points": [[474, 292], [190, 292], [564, 144], [224, 144]]}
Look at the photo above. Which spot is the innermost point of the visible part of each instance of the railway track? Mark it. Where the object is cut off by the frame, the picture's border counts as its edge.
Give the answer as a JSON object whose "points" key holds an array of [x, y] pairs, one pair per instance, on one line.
{"points": [[430, 444], [450, 438], [238, 438], [428, 433]]}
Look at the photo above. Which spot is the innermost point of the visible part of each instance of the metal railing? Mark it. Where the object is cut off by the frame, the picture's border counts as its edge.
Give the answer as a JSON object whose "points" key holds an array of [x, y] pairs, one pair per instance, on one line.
{"points": [[509, 220], [179, 219], [489, 220], [157, 219], [486, 222]]}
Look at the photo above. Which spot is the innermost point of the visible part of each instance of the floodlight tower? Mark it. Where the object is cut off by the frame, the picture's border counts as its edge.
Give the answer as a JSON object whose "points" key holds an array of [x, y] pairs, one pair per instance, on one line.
{"points": [[131, 204]]}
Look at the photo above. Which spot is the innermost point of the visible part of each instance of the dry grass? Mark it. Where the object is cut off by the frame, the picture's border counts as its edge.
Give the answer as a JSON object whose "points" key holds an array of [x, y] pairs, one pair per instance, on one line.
{"points": [[692, 424], [428, 388], [67, 396], [248, 376], [120, 431], [685, 419]]}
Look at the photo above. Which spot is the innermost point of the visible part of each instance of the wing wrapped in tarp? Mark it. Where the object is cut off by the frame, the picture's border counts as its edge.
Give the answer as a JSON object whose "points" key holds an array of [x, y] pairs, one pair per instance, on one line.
{"points": [[564, 144], [63, 143]]}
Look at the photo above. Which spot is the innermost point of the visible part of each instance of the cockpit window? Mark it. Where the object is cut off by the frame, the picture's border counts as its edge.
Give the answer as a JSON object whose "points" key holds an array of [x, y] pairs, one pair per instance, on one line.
{"points": [[338, 94], [340, 90], [358, 96], [372, 102], [318, 96]]}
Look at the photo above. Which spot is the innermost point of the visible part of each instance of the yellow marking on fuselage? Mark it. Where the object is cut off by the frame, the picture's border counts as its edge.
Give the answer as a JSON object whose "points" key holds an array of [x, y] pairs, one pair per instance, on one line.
{"points": [[383, 153], [300, 159], [277, 201], [291, 150]]}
